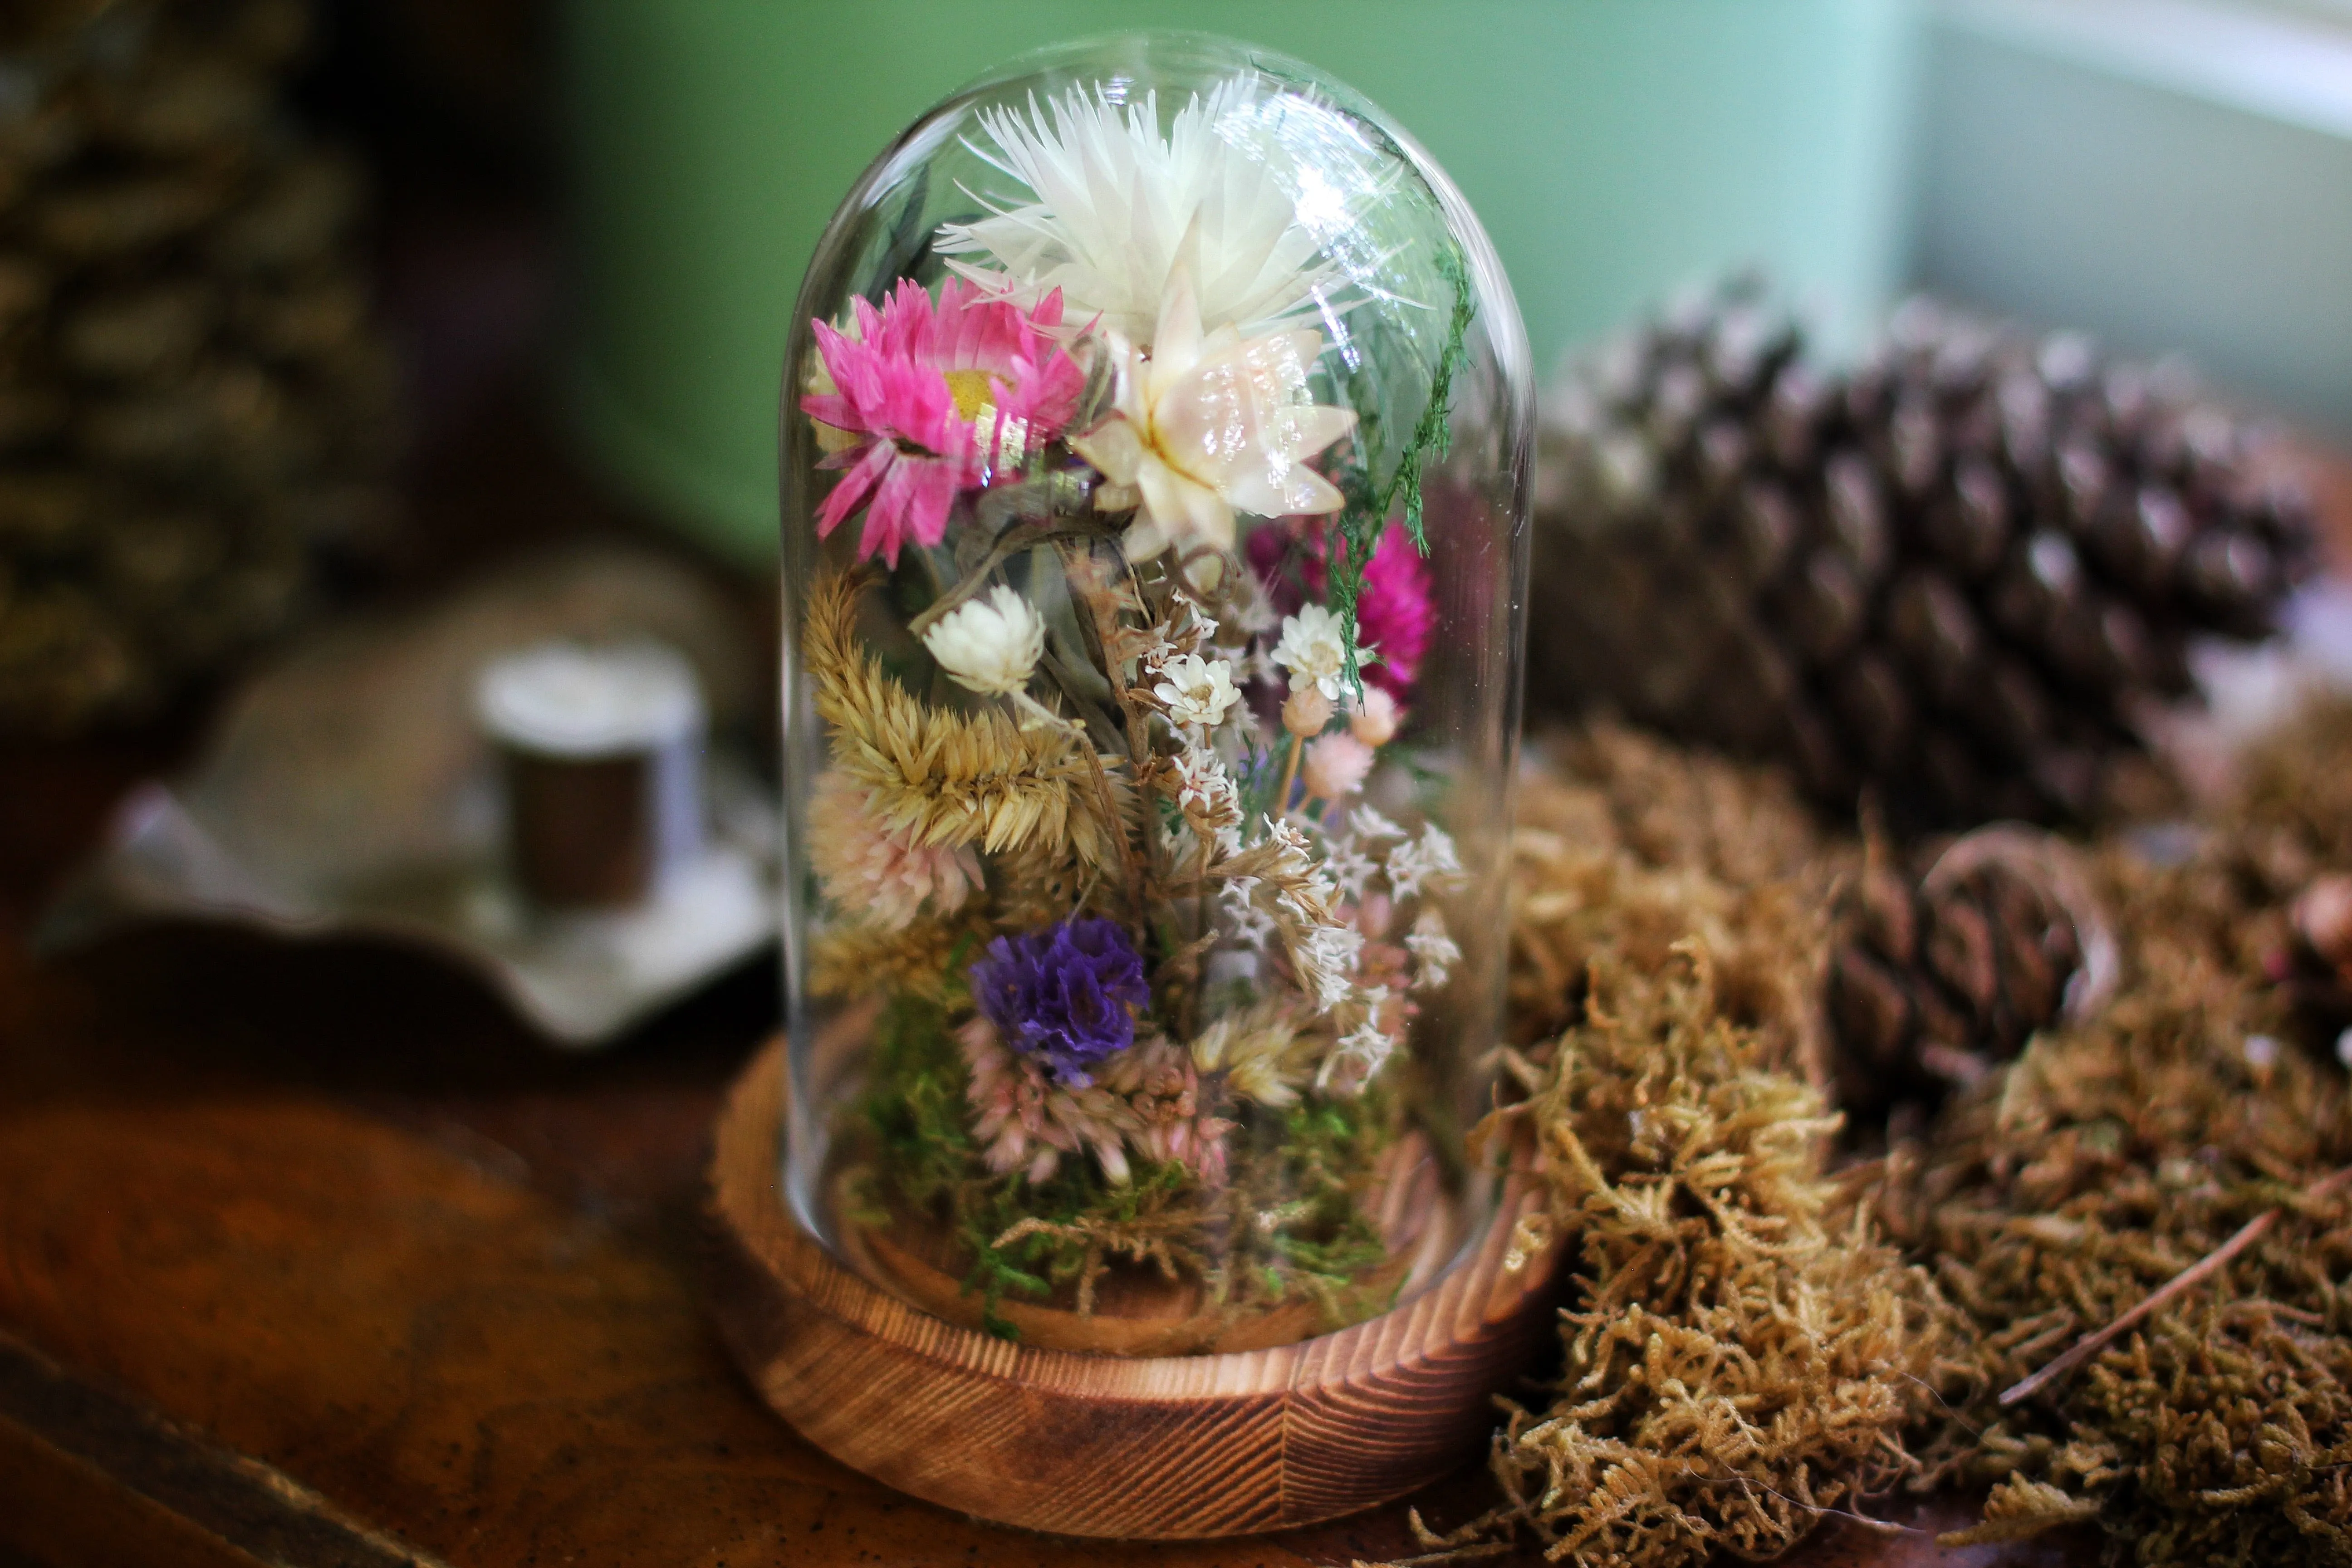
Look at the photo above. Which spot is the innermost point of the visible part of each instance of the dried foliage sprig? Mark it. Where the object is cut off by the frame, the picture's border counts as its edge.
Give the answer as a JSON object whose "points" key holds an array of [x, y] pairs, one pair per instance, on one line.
{"points": [[949, 777]]}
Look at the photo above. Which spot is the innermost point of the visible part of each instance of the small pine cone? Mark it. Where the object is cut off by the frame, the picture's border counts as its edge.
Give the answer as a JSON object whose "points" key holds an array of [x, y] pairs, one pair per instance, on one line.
{"points": [[2317, 968], [1934, 983]]}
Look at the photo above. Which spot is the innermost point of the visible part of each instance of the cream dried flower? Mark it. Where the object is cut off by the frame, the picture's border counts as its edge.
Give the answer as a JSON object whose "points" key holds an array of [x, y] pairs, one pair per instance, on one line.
{"points": [[1435, 954], [1119, 208], [1251, 926], [1261, 1052], [1314, 650], [876, 870], [1210, 424], [1196, 690], [990, 644]]}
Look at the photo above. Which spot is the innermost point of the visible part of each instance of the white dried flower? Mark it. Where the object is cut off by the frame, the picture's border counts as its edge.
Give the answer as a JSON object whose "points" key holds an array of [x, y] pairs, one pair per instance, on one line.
{"points": [[1252, 926], [1429, 861], [1118, 206], [1196, 690], [1351, 868], [1202, 785], [1314, 649], [1210, 424], [1434, 951], [1360, 1054], [989, 646], [1325, 959], [1367, 825]]}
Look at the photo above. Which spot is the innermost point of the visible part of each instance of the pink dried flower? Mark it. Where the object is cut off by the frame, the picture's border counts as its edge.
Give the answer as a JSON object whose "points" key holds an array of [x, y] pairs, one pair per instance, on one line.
{"points": [[937, 398], [1027, 1121], [872, 869], [1335, 766], [1162, 1086]]}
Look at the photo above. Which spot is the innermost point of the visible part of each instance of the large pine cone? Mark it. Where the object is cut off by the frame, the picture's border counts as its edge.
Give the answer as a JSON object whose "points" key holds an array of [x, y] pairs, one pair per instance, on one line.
{"points": [[1953, 578], [194, 400]]}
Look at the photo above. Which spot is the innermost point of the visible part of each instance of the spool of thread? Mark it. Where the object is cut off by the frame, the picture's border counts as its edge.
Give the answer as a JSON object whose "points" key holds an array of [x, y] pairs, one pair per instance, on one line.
{"points": [[601, 750]]}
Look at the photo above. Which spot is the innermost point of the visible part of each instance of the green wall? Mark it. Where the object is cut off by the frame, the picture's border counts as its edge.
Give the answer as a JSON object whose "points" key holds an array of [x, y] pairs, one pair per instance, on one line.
{"points": [[1615, 150]]}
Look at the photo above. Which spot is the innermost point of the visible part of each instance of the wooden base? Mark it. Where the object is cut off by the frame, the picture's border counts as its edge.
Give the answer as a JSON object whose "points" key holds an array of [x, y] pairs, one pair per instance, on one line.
{"points": [[1135, 1447]]}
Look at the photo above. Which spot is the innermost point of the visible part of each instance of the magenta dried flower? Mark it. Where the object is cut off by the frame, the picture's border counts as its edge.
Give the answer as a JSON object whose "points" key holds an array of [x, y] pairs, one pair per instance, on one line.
{"points": [[1066, 994]]}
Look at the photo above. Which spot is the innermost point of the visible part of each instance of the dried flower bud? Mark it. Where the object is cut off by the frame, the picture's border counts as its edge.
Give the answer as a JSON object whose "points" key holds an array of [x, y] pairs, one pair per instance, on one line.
{"points": [[1335, 766], [1374, 717], [1307, 712]]}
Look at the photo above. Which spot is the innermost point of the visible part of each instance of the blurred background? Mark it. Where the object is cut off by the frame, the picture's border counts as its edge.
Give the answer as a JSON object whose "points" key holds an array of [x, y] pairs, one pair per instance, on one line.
{"points": [[318, 307]]}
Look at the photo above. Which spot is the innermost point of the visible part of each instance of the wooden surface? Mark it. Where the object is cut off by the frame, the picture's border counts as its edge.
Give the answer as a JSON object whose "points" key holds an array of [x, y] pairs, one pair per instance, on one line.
{"points": [[1160, 1448]]}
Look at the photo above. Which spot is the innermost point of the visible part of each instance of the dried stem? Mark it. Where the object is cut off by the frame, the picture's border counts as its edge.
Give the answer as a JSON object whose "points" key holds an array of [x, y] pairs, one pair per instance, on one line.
{"points": [[2179, 1285]]}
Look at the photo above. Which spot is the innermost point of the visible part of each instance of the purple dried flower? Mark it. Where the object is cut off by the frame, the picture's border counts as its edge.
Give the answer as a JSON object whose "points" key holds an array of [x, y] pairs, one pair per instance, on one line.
{"points": [[1065, 995]]}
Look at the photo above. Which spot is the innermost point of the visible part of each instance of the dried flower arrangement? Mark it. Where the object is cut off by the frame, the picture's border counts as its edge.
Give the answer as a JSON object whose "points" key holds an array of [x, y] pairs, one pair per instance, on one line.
{"points": [[1125, 840]]}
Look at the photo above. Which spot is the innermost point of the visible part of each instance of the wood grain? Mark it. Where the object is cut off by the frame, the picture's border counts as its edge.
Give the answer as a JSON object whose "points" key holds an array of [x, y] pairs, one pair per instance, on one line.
{"points": [[1158, 1447]]}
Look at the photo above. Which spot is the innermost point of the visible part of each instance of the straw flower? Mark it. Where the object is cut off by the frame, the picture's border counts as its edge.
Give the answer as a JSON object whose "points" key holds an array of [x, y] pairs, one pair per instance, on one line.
{"points": [[1210, 423], [1314, 649], [989, 646], [877, 871], [1118, 207], [920, 401], [1197, 690]]}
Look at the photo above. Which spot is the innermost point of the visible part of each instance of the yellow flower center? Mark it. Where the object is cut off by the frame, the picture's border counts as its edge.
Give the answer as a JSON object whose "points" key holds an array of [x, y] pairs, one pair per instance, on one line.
{"points": [[973, 390]]}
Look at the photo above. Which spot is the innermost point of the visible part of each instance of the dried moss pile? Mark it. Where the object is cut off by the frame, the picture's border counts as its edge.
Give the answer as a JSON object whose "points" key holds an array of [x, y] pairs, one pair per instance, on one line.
{"points": [[1755, 1346], [1740, 1365], [1740, 1359]]}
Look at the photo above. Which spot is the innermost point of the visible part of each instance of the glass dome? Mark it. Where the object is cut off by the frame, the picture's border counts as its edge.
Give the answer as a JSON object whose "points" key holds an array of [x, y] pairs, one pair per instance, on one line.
{"points": [[1155, 439]]}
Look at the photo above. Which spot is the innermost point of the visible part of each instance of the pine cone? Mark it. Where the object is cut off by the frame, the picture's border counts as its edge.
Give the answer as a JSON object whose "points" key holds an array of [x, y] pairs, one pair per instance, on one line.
{"points": [[2317, 967], [195, 403], [1934, 983], [1953, 578]]}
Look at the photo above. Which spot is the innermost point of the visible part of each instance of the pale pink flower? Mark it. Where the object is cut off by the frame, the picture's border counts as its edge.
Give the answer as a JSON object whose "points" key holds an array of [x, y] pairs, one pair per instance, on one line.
{"points": [[1027, 1122], [1162, 1086], [878, 871], [935, 399], [1335, 766]]}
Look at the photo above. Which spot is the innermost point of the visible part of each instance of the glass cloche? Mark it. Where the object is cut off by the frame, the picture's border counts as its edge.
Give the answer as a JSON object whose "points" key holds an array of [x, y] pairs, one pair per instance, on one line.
{"points": [[1155, 440]]}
